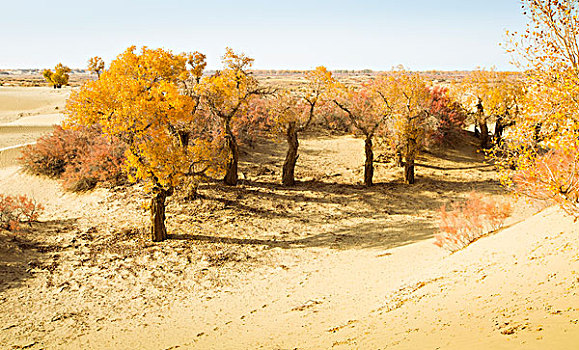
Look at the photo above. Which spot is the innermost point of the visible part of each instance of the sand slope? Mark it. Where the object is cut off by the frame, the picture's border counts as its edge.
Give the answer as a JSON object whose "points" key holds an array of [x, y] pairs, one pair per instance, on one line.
{"points": [[516, 289], [25, 115], [19, 102]]}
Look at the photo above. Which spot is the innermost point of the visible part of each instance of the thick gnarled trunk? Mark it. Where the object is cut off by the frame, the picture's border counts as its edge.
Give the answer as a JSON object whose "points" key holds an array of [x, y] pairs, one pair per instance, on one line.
{"points": [[499, 128], [369, 164], [288, 173], [184, 139], [484, 134], [409, 164], [158, 228], [231, 167]]}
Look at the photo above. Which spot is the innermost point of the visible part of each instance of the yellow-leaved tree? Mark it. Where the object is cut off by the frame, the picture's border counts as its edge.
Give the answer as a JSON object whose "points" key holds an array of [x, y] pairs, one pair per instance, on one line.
{"points": [[410, 101], [59, 77], [367, 108], [294, 111], [491, 96], [142, 99], [96, 65], [226, 95], [540, 155], [482, 91]]}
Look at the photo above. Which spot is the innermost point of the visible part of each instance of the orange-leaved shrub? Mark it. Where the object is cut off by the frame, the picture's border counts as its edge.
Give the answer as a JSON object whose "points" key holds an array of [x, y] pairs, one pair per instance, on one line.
{"points": [[16, 210], [82, 158], [552, 177], [450, 117], [468, 220]]}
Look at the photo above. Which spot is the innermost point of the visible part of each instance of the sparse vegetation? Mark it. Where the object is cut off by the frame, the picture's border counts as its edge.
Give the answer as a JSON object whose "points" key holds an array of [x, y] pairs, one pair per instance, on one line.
{"points": [[469, 220], [17, 210], [191, 241]]}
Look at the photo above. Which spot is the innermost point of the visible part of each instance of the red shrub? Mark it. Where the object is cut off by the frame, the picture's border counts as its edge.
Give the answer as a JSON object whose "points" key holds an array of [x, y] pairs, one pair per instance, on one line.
{"points": [[553, 177], [15, 210], [450, 116], [100, 163], [470, 220], [52, 153], [82, 158], [252, 122]]}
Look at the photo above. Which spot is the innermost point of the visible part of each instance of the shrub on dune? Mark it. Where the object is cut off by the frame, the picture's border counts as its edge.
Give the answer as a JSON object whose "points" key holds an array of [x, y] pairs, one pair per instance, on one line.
{"points": [[81, 157], [467, 221]]}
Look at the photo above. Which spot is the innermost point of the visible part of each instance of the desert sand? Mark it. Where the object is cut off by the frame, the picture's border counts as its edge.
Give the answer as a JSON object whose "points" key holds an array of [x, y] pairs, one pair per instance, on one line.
{"points": [[327, 264], [19, 102], [27, 113]]}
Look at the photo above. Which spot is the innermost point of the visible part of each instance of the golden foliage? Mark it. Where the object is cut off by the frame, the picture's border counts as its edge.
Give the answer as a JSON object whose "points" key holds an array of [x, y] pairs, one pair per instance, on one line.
{"points": [[548, 122], [139, 99], [301, 106], [227, 92], [488, 94], [59, 77], [410, 101], [96, 65]]}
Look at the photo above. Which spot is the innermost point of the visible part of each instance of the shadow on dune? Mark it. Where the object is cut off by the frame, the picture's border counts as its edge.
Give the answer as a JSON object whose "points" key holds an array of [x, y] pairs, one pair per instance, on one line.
{"points": [[331, 211], [367, 235], [22, 254]]}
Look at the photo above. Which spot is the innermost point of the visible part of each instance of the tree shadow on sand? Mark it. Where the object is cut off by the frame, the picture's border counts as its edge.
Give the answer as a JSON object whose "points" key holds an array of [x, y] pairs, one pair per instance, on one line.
{"points": [[362, 236], [24, 253], [331, 211]]}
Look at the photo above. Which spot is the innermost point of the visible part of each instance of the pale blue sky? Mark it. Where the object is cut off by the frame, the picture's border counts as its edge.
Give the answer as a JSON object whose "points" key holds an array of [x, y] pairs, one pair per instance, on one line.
{"points": [[297, 34]]}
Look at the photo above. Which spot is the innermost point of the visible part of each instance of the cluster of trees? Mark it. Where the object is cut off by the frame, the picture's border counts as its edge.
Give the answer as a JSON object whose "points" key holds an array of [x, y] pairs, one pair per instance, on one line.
{"points": [[59, 77], [180, 125], [491, 97]]}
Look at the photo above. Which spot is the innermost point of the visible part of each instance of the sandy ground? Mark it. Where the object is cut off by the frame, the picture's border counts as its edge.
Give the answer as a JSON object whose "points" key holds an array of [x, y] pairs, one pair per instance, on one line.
{"points": [[327, 264], [25, 115], [19, 102]]}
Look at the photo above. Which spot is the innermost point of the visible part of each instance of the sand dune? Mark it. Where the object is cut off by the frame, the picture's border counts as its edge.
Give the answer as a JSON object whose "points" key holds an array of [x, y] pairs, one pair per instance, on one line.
{"points": [[39, 120], [18, 102], [25, 115]]}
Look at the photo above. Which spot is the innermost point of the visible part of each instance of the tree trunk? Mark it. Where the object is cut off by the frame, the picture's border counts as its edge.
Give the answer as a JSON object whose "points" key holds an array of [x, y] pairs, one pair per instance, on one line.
{"points": [[369, 165], [184, 138], [231, 167], [499, 127], [288, 178], [399, 162], [409, 164], [484, 129], [158, 228], [484, 134]]}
